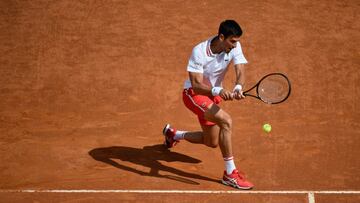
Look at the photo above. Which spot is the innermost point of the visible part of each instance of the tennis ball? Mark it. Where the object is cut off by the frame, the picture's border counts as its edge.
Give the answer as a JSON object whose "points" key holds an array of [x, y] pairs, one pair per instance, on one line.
{"points": [[267, 127]]}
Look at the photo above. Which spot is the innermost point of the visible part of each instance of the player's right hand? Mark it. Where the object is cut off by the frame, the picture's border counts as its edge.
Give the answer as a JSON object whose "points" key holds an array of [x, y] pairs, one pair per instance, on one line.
{"points": [[238, 95], [226, 95]]}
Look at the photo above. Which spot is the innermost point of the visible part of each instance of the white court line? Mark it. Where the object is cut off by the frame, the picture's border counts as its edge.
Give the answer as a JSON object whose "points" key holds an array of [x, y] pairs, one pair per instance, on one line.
{"points": [[185, 191], [311, 197], [310, 194]]}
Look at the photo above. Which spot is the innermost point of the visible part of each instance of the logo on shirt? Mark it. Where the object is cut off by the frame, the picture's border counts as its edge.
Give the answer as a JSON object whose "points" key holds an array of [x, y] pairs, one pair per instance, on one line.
{"points": [[197, 64], [203, 105]]}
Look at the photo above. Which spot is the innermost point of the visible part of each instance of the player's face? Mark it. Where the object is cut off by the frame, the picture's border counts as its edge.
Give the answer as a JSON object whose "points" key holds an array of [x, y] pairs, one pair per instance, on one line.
{"points": [[230, 42]]}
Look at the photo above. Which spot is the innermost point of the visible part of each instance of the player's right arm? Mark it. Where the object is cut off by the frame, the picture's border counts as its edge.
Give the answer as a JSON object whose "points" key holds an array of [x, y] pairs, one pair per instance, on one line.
{"points": [[197, 84]]}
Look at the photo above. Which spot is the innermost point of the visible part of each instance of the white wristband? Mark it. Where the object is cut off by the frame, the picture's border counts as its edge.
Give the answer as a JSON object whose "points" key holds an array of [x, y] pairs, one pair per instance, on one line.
{"points": [[215, 91], [237, 87]]}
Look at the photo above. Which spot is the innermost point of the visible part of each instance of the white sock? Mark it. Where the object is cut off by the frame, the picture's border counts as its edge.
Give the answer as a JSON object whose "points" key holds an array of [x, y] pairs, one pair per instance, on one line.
{"points": [[179, 135], [229, 164]]}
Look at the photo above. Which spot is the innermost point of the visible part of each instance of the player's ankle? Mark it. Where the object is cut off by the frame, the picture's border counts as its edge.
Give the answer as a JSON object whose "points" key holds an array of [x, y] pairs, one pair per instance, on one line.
{"points": [[179, 135]]}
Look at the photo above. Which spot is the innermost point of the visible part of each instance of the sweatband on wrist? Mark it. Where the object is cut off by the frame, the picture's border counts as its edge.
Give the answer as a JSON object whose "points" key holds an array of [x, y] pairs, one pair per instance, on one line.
{"points": [[215, 91], [237, 87]]}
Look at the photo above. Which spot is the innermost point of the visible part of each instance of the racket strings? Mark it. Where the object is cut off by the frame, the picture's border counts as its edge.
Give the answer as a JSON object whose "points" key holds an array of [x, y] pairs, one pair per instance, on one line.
{"points": [[274, 88]]}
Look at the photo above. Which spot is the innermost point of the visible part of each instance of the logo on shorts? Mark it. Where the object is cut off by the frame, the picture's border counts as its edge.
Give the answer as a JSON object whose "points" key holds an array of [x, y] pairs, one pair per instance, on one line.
{"points": [[203, 105]]}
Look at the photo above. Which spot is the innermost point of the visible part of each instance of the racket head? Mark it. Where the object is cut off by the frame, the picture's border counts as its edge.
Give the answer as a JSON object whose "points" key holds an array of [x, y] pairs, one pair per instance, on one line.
{"points": [[273, 88]]}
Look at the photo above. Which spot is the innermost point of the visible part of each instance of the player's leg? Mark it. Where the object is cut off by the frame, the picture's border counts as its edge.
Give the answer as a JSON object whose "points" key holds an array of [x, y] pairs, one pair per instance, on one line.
{"points": [[217, 128], [209, 136], [198, 104], [201, 105], [223, 120], [231, 175], [216, 125]]}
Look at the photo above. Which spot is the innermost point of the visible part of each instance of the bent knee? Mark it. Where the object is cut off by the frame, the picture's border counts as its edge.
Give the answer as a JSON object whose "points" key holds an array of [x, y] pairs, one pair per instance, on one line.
{"points": [[212, 144], [226, 123]]}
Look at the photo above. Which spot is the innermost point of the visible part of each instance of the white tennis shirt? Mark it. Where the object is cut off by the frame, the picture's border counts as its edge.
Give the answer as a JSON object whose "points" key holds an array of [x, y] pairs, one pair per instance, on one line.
{"points": [[212, 66]]}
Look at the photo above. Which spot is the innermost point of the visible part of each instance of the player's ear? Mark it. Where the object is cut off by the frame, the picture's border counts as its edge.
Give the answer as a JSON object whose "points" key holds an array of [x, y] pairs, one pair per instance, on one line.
{"points": [[221, 37]]}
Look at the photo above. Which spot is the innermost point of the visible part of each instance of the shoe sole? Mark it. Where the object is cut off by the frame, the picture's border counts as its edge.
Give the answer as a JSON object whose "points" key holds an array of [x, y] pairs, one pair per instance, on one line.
{"points": [[235, 186]]}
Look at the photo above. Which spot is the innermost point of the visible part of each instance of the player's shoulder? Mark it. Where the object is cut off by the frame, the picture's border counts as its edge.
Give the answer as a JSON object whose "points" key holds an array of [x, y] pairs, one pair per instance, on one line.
{"points": [[237, 49], [238, 45], [200, 49]]}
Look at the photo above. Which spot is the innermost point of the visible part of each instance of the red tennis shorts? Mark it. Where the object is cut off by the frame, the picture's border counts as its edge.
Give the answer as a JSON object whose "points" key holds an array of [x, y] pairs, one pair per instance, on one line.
{"points": [[198, 104]]}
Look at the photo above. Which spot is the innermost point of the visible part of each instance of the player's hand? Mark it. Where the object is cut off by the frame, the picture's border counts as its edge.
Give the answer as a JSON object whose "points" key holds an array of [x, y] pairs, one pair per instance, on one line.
{"points": [[226, 95], [238, 93]]}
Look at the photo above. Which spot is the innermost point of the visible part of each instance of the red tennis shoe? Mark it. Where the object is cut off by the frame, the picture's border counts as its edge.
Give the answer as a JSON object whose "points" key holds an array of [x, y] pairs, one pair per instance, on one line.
{"points": [[169, 134], [236, 180]]}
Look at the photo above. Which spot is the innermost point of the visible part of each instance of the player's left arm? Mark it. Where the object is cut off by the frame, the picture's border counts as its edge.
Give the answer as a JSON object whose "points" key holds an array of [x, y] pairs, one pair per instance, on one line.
{"points": [[239, 81]]}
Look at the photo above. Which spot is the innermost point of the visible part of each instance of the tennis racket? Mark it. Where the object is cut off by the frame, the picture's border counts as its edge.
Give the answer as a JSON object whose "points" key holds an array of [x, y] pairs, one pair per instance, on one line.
{"points": [[273, 88]]}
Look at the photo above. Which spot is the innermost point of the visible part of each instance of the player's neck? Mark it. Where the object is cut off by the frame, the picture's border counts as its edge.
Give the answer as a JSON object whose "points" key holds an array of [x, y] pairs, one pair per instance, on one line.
{"points": [[215, 45]]}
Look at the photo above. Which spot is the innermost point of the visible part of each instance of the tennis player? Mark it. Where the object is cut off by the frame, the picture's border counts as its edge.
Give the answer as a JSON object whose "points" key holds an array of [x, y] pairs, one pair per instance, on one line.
{"points": [[203, 92]]}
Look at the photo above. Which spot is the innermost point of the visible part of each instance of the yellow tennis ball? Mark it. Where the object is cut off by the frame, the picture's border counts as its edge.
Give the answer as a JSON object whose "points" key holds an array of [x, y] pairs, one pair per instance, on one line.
{"points": [[267, 127]]}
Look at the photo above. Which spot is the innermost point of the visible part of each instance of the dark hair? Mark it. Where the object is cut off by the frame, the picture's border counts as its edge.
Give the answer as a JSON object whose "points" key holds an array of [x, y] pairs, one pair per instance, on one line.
{"points": [[230, 27]]}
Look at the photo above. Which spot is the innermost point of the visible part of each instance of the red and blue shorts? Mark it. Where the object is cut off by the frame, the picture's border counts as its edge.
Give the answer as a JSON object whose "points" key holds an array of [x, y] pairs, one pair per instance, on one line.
{"points": [[198, 104]]}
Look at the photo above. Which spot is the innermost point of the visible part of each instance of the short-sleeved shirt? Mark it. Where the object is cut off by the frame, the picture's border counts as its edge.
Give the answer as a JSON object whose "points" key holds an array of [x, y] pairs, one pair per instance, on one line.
{"points": [[212, 66]]}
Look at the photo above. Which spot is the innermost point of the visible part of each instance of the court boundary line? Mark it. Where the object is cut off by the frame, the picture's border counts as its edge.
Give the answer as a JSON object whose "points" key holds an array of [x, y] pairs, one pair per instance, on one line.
{"points": [[183, 191], [310, 194]]}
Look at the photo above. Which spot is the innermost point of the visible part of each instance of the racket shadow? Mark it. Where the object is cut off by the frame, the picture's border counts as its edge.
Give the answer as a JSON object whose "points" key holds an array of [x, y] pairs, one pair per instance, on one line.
{"points": [[149, 156]]}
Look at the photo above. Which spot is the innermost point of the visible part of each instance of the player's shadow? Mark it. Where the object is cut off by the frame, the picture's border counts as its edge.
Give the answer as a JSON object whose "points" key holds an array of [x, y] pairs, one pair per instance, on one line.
{"points": [[148, 156]]}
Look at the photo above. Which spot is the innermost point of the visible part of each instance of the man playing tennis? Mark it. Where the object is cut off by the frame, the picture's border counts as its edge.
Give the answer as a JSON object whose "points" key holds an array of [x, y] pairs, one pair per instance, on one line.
{"points": [[203, 92]]}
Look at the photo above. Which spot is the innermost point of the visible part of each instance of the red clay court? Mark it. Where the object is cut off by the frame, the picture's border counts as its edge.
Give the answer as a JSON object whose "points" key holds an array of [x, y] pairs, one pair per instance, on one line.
{"points": [[86, 87]]}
